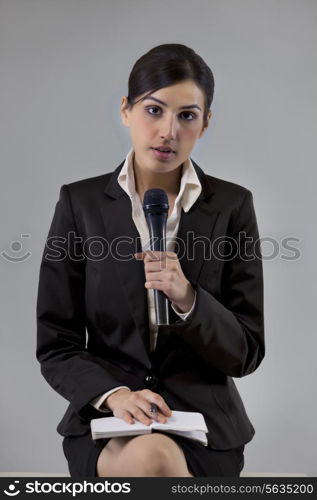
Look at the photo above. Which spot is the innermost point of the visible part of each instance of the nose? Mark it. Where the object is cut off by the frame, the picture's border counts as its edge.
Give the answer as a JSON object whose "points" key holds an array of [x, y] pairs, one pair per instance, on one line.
{"points": [[168, 128]]}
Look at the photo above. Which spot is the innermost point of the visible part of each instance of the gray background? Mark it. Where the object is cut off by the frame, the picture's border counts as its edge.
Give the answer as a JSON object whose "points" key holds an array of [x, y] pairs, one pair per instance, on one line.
{"points": [[64, 68]]}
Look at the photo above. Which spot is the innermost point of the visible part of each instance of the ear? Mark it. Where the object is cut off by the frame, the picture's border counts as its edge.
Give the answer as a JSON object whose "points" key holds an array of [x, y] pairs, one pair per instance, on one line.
{"points": [[205, 126], [124, 111]]}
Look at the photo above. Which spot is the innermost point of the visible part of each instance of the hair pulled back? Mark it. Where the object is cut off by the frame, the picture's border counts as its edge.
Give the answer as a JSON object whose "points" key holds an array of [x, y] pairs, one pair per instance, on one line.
{"points": [[167, 64]]}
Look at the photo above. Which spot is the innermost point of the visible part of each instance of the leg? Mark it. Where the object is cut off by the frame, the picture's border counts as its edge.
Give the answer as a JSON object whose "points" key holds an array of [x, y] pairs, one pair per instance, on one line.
{"points": [[149, 455]]}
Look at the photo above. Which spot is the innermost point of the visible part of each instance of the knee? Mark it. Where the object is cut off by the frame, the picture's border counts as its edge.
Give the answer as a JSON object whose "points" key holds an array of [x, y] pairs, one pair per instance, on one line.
{"points": [[156, 460]]}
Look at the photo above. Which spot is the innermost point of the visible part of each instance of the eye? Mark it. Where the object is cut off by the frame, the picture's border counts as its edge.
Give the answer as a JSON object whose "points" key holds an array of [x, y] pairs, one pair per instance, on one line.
{"points": [[152, 107], [191, 115]]}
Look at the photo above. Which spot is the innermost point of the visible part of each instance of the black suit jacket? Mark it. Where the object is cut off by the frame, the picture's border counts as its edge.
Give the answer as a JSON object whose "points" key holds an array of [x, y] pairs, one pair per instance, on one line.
{"points": [[92, 316]]}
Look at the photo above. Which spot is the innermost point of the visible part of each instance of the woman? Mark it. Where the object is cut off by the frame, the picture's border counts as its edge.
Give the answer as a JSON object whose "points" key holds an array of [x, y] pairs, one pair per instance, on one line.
{"points": [[97, 274]]}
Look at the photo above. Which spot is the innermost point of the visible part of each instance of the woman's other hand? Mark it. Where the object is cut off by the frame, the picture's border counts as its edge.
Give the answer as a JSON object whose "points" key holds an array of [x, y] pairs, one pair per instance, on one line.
{"points": [[127, 404], [163, 272]]}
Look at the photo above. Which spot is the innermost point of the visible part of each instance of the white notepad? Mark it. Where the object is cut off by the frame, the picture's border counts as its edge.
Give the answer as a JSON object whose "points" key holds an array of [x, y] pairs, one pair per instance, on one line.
{"points": [[188, 424]]}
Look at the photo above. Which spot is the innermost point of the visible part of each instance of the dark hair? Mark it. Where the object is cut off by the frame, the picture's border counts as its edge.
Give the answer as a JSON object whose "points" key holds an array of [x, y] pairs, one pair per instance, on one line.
{"points": [[166, 65]]}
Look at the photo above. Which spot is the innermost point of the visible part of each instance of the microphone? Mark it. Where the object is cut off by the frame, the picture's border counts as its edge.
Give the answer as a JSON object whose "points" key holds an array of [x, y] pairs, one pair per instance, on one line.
{"points": [[155, 207]]}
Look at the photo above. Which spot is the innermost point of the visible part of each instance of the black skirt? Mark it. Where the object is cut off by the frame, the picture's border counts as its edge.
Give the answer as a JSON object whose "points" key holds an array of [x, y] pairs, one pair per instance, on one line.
{"points": [[82, 453]]}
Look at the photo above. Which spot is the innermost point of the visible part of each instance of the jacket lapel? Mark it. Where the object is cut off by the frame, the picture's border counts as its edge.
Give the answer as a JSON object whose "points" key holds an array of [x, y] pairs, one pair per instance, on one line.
{"points": [[119, 226]]}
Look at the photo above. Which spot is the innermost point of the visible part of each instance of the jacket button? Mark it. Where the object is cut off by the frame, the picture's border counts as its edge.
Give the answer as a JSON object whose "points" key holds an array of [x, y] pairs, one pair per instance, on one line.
{"points": [[150, 380]]}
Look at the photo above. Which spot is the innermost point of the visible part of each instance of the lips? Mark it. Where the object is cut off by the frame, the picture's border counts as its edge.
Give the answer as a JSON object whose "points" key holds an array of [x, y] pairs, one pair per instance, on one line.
{"points": [[163, 155], [164, 149]]}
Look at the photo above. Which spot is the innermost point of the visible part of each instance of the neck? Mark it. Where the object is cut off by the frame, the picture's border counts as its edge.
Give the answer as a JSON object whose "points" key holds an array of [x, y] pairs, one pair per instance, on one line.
{"points": [[169, 181]]}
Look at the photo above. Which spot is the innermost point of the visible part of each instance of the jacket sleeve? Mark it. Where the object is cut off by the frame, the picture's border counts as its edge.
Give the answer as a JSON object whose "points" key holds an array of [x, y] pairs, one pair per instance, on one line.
{"points": [[228, 333], [61, 328]]}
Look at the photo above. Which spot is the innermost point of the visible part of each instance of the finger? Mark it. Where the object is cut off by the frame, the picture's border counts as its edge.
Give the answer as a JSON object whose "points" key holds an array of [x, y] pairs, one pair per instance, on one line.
{"points": [[154, 256], [148, 256], [157, 285], [160, 255], [141, 416], [155, 276], [171, 256], [132, 410], [139, 407], [139, 255], [153, 397], [158, 415], [154, 265], [124, 415], [158, 267]]}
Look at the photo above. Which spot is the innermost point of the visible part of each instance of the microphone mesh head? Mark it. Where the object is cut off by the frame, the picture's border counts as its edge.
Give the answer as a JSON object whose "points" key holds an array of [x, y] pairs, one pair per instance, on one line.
{"points": [[155, 196], [155, 202]]}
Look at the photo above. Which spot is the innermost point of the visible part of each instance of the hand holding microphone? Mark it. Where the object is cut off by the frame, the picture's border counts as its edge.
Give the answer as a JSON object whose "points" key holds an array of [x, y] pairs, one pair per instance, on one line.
{"points": [[162, 269]]}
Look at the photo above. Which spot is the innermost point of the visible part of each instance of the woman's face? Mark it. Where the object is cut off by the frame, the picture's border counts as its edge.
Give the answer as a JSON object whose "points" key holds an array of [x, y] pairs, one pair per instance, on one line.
{"points": [[159, 120]]}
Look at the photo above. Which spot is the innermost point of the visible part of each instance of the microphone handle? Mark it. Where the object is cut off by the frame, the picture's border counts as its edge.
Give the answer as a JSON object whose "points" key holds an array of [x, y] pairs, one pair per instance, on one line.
{"points": [[157, 229]]}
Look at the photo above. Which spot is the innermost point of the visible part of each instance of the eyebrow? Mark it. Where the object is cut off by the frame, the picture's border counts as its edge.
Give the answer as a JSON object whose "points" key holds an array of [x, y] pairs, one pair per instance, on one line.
{"points": [[164, 103]]}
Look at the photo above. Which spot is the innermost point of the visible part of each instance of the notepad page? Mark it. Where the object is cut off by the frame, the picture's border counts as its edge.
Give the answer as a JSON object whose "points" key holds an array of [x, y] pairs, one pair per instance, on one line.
{"points": [[179, 420], [115, 424], [183, 421]]}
